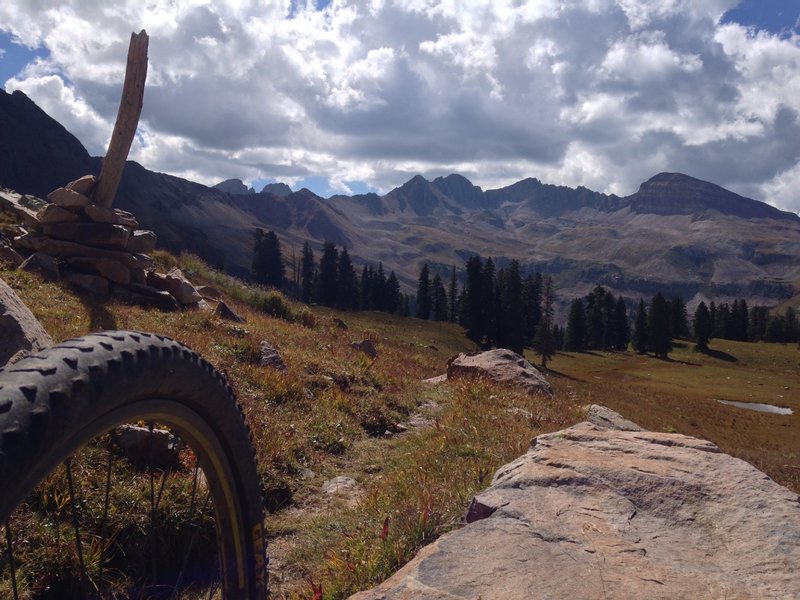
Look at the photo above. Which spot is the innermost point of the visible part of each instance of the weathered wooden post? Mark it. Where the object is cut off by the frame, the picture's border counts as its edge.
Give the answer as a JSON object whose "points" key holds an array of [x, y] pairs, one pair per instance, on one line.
{"points": [[130, 107]]}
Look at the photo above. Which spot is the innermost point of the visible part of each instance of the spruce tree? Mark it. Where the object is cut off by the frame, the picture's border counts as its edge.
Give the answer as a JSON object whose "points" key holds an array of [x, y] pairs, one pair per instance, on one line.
{"points": [[306, 273], [438, 299], [619, 326], [531, 306], [472, 303], [268, 267], [703, 327], [328, 280], [513, 308], [489, 302], [640, 339], [452, 296], [543, 342], [576, 327], [658, 333], [392, 302], [347, 288], [424, 294], [679, 320]]}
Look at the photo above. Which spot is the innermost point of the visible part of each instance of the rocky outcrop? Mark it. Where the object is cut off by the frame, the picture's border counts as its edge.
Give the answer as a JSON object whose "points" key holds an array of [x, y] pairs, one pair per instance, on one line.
{"points": [[20, 332], [502, 366], [591, 512], [97, 249]]}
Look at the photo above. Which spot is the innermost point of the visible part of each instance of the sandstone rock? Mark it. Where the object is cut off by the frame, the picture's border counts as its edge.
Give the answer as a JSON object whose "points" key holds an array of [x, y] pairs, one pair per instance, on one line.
{"points": [[605, 417], [9, 256], [67, 198], [208, 292], [25, 207], [176, 284], [44, 264], [435, 380], [104, 235], [142, 242], [367, 347], [157, 448], [88, 283], [339, 323], [144, 295], [271, 358], [499, 365], [102, 214], [83, 185], [111, 269], [20, 332], [65, 249], [223, 311], [55, 214], [591, 512]]}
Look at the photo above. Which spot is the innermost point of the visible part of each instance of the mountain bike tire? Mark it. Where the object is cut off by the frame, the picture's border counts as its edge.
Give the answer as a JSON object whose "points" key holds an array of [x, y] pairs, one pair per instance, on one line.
{"points": [[56, 401]]}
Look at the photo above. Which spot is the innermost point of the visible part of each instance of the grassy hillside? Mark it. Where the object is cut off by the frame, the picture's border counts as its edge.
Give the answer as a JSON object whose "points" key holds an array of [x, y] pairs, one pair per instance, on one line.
{"points": [[418, 452]]}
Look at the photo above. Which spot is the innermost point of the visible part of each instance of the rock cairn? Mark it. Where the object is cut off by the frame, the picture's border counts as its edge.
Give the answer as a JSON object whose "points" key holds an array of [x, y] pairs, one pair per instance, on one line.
{"points": [[97, 249]]}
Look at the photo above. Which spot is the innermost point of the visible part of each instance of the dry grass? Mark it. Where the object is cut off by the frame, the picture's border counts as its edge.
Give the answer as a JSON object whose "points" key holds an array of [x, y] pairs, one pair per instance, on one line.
{"points": [[329, 416], [681, 395]]}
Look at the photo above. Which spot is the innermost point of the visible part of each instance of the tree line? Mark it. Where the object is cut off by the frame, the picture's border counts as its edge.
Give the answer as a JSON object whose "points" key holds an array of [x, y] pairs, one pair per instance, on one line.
{"points": [[503, 308], [331, 281]]}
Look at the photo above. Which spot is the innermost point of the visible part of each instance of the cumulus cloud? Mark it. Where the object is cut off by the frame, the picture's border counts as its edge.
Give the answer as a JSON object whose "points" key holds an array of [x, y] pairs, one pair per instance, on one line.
{"points": [[600, 93]]}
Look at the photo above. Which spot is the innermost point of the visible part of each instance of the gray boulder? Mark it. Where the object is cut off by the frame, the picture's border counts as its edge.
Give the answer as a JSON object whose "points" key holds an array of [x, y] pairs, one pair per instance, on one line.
{"points": [[502, 366], [20, 332], [591, 512], [270, 357]]}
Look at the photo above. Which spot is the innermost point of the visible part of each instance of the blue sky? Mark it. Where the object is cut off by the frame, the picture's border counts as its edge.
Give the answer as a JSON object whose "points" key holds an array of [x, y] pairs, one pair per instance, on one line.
{"points": [[350, 96]]}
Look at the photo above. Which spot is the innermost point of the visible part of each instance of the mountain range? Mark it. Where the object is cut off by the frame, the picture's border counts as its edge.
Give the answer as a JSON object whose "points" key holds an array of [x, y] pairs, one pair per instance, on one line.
{"points": [[676, 234]]}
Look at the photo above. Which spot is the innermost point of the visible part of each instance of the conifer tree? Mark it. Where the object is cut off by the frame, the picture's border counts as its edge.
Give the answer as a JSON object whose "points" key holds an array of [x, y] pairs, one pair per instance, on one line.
{"points": [[703, 327], [438, 299], [576, 327], [268, 267], [424, 294], [328, 280], [510, 309], [392, 302], [640, 339], [620, 328], [306, 273], [489, 302], [531, 306], [658, 327], [347, 288], [679, 320], [452, 296], [472, 304], [543, 342]]}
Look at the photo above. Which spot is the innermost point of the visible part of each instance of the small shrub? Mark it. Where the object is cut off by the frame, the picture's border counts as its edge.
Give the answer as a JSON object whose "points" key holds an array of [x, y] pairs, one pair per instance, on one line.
{"points": [[275, 304]]}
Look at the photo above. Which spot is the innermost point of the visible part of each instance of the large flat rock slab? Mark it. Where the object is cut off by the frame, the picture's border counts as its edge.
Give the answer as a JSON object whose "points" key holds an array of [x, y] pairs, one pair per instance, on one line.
{"points": [[591, 512]]}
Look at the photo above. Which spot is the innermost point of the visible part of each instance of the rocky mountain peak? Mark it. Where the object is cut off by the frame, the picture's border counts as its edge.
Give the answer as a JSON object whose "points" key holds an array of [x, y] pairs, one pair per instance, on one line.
{"points": [[679, 194], [233, 186], [277, 189]]}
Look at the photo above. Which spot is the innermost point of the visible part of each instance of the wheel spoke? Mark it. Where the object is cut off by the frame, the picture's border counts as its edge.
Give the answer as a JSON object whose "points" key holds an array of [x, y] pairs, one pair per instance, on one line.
{"points": [[76, 526], [10, 552]]}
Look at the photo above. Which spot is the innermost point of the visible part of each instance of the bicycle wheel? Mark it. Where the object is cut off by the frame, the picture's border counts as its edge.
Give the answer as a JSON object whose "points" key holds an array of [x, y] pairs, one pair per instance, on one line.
{"points": [[57, 401]]}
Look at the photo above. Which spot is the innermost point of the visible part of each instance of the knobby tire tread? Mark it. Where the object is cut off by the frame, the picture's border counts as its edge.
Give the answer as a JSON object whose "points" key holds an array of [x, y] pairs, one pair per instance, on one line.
{"points": [[50, 401]]}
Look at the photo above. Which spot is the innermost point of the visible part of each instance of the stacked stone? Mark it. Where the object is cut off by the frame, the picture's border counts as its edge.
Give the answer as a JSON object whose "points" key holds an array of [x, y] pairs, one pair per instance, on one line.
{"points": [[100, 250]]}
